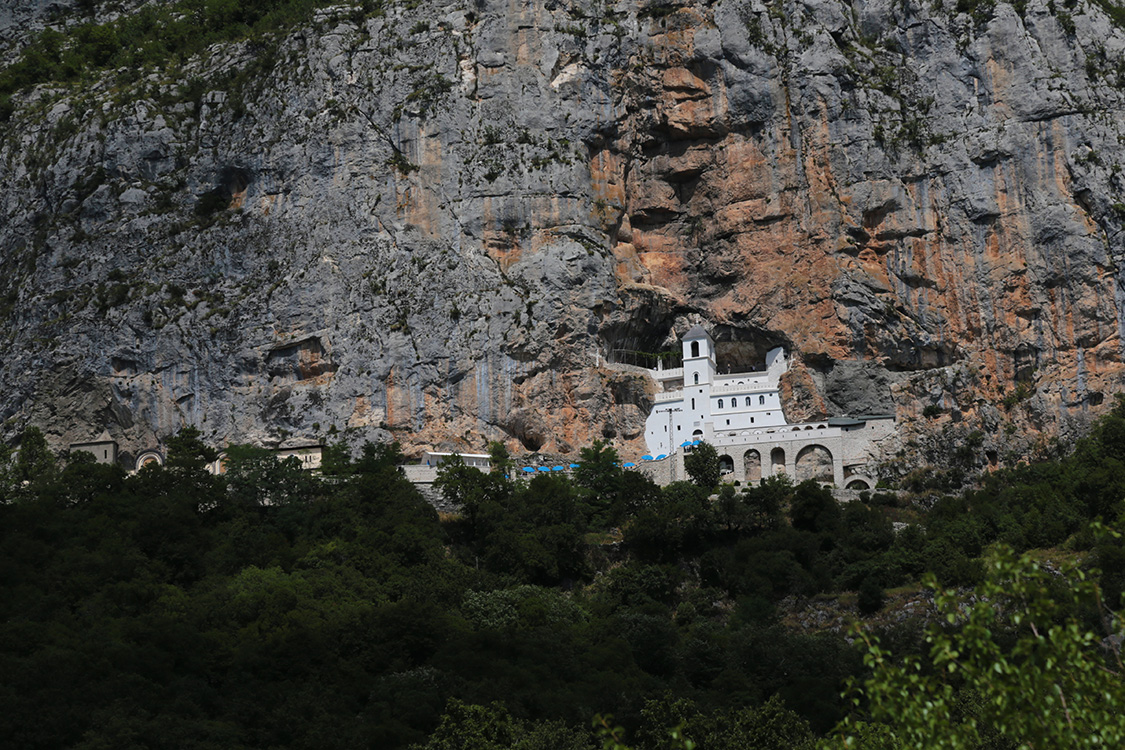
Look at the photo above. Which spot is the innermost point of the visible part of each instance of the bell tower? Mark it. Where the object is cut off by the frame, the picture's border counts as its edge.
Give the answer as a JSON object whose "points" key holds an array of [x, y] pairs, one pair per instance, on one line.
{"points": [[699, 358]]}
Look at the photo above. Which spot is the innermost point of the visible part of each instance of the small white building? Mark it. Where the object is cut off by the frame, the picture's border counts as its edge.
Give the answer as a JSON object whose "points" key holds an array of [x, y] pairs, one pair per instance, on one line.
{"points": [[310, 456], [696, 401], [478, 460], [103, 448]]}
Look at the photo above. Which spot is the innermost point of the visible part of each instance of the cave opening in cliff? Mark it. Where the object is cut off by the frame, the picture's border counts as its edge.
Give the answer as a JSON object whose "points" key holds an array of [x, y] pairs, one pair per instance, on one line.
{"points": [[742, 348], [643, 337]]}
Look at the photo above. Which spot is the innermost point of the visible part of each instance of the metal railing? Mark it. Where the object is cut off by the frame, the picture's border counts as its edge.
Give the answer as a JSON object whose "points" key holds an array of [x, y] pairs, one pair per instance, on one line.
{"points": [[648, 360]]}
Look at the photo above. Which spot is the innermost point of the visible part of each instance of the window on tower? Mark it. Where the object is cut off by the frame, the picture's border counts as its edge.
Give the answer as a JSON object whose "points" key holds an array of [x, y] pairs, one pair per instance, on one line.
{"points": [[695, 348], [761, 399], [697, 378], [720, 403]]}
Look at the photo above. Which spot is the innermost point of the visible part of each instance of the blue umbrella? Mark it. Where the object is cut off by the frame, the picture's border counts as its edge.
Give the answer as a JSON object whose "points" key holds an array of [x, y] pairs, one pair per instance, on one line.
{"points": [[662, 455], [685, 444], [558, 468], [544, 468], [574, 466], [696, 442], [630, 465], [530, 469], [646, 457]]}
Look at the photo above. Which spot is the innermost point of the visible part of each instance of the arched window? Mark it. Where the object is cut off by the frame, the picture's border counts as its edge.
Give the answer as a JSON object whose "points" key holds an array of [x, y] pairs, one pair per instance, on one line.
{"points": [[761, 400], [720, 403], [697, 378], [695, 348], [747, 400]]}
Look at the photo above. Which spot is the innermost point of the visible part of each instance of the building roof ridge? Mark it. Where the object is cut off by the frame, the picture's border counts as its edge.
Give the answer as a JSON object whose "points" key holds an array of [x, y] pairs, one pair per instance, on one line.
{"points": [[696, 332]]}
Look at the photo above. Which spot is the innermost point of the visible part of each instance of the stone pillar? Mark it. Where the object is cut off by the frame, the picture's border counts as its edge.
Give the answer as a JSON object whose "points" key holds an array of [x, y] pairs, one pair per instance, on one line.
{"points": [[838, 469]]}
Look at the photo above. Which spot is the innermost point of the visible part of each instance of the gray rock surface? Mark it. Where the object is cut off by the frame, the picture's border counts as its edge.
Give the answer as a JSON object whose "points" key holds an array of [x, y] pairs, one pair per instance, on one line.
{"points": [[428, 224]]}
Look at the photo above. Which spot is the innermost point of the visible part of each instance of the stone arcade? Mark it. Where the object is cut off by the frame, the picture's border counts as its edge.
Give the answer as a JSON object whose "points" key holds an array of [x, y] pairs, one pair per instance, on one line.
{"points": [[740, 415]]}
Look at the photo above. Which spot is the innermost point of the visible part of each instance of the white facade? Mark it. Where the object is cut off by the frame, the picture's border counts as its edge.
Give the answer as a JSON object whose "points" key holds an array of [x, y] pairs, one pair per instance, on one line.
{"points": [[310, 456], [478, 460], [697, 403]]}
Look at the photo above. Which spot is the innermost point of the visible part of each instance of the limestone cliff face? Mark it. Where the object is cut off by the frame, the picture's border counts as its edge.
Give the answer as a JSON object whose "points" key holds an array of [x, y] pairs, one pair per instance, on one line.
{"points": [[434, 223]]}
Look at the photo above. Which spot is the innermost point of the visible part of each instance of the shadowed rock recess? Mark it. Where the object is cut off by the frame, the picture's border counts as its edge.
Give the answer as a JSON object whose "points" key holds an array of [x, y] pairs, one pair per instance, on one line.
{"points": [[440, 221]]}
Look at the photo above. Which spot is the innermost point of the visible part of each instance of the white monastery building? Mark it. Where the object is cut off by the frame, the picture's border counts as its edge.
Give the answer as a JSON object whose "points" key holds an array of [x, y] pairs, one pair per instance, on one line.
{"points": [[740, 415], [697, 401]]}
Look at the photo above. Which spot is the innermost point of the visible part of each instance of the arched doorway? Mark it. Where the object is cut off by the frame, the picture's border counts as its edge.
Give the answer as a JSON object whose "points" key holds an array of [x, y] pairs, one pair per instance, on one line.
{"points": [[752, 465], [858, 484], [149, 457], [814, 462], [726, 465], [777, 460]]}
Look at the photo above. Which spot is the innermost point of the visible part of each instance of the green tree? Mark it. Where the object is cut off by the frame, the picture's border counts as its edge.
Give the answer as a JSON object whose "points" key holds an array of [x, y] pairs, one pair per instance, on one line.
{"points": [[599, 474], [471, 727], [499, 460], [336, 460], [379, 458], [538, 535], [187, 453], [731, 511], [1013, 660], [702, 465], [661, 532], [256, 476], [766, 501], [480, 496], [637, 491], [35, 459], [7, 475], [813, 508]]}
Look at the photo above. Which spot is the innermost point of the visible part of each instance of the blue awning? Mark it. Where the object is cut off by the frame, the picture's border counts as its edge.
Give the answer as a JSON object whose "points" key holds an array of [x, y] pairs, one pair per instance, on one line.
{"points": [[696, 442], [530, 469], [662, 455], [646, 457], [685, 444], [544, 468], [558, 468]]}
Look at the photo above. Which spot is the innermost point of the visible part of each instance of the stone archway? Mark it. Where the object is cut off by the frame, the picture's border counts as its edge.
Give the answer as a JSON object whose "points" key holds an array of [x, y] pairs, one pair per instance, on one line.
{"points": [[814, 462], [752, 465], [149, 458], [858, 484], [726, 465], [777, 460]]}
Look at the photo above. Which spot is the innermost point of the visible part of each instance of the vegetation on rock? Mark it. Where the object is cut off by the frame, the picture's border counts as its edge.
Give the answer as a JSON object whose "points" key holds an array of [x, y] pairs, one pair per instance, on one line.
{"points": [[272, 608]]}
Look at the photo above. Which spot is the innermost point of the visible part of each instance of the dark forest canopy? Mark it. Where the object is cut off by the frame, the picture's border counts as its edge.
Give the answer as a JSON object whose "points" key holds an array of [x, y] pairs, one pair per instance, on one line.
{"points": [[269, 607]]}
